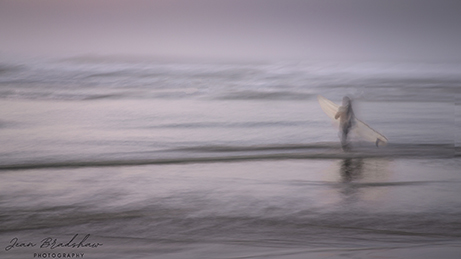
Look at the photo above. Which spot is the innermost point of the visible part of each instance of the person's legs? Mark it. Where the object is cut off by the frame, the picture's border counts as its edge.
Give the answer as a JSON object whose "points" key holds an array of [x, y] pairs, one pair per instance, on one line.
{"points": [[344, 142]]}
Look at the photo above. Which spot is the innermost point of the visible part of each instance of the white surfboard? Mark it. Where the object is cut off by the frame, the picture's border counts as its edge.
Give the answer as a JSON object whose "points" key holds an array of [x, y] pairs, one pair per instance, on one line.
{"points": [[360, 128]]}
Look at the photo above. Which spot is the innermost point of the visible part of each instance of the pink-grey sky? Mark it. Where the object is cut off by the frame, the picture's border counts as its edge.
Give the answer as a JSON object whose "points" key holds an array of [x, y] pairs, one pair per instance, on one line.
{"points": [[237, 29]]}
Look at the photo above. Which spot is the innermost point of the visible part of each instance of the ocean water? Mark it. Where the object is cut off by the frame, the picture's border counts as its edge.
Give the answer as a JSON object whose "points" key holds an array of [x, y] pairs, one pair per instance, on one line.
{"points": [[163, 159]]}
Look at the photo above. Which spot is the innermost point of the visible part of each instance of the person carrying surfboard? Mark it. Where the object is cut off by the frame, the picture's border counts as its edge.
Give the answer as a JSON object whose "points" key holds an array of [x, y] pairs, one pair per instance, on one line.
{"points": [[346, 120]]}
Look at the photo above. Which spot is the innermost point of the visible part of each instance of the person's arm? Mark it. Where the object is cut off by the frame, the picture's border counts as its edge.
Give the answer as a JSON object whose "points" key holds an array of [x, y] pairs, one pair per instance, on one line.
{"points": [[339, 113]]}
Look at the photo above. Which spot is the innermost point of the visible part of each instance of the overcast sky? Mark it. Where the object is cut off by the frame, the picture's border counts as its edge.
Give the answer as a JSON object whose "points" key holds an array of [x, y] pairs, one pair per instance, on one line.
{"points": [[238, 29]]}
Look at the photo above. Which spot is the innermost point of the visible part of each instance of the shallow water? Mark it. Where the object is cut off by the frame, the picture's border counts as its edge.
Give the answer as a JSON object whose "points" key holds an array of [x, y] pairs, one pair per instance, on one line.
{"points": [[177, 160], [301, 206]]}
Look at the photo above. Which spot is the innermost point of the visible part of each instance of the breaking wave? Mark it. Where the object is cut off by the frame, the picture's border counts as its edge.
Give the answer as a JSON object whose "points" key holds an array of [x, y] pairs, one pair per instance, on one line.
{"points": [[219, 154]]}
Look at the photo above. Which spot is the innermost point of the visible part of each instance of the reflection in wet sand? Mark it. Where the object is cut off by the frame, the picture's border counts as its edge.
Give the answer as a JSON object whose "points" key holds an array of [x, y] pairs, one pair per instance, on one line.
{"points": [[351, 169], [360, 176], [357, 180]]}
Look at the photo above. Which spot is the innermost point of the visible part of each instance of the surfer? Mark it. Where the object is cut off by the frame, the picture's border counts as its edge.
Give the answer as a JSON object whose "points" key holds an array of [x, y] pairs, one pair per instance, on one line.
{"points": [[346, 120]]}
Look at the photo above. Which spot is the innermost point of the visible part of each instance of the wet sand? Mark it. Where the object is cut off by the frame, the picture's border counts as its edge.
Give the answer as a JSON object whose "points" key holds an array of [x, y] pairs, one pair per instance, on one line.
{"points": [[345, 208]]}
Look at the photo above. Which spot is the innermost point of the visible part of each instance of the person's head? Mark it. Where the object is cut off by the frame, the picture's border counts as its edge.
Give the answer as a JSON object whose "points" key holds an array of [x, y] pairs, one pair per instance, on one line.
{"points": [[346, 100]]}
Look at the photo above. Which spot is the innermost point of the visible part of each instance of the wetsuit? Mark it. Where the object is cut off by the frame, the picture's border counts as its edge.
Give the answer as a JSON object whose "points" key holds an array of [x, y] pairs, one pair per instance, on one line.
{"points": [[346, 119]]}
